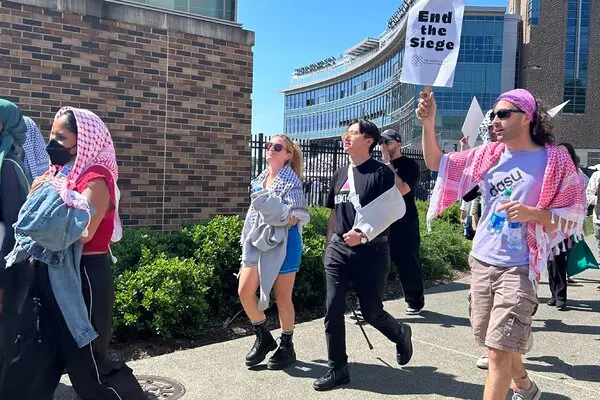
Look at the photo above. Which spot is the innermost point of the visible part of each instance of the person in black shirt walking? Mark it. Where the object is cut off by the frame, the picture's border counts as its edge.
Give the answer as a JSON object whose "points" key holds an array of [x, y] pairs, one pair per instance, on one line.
{"points": [[351, 257], [405, 238]]}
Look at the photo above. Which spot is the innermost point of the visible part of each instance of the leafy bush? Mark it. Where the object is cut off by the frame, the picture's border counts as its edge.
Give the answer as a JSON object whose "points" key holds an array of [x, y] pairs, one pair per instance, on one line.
{"points": [[129, 250], [176, 284], [217, 244], [443, 250], [163, 297], [588, 226], [317, 227], [309, 288]]}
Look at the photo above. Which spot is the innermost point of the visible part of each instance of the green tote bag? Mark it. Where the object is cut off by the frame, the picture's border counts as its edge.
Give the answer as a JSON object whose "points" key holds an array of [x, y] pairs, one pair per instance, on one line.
{"points": [[580, 258]]}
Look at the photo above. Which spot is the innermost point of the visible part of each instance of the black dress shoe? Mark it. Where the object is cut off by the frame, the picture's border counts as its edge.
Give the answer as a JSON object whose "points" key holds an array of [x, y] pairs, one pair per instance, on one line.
{"points": [[552, 302], [262, 346], [404, 348], [333, 378], [561, 306]]}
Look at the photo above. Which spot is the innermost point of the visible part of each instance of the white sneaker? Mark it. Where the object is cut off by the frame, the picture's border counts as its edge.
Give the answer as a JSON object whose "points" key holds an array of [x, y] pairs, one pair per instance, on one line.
{"points": [[534, 393], [483, 362], [412, 311]]}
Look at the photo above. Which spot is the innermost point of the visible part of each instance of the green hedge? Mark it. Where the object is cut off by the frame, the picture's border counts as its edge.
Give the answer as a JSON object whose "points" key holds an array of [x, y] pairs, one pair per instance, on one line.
{"points": [[165, 296], [177, 284]]}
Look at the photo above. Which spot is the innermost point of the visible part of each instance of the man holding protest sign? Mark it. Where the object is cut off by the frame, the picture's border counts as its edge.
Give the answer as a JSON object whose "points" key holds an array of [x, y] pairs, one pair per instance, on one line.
{"points": [[546, 200]]}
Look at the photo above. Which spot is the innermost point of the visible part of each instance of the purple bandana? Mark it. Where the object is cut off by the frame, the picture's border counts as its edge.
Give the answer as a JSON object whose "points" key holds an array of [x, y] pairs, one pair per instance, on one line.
{"points": [[522, 99]]}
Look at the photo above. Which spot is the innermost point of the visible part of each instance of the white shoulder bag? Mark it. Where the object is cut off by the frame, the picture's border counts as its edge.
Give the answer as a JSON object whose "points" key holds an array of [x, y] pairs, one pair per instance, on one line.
{"points": [[380, 213]]}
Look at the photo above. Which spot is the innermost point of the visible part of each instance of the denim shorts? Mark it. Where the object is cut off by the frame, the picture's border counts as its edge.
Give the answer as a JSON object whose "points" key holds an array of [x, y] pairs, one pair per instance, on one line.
{"points": [[293, 254]]}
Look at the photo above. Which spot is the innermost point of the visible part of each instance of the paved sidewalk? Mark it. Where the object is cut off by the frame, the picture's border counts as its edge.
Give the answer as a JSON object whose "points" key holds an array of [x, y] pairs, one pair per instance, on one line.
{"points": [[564, 361]]}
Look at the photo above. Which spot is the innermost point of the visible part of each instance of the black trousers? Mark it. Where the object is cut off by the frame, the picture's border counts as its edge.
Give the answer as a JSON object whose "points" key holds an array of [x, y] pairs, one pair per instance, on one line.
{"points": [[366, 267], [557, 277], [94, 377], [405, 242]]}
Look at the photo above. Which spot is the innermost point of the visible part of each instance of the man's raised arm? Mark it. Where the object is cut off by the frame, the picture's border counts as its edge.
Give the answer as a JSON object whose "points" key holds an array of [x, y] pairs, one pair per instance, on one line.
{"points": [[426, 113]]}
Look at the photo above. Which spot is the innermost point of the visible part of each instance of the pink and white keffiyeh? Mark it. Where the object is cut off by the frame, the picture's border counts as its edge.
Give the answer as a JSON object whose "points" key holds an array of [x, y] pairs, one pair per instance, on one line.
{"points": [[561, 193], [94, 148]]}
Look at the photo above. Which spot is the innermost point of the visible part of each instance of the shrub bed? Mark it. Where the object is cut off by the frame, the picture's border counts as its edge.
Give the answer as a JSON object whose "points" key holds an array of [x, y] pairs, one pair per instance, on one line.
{"points": [[177, 284]]}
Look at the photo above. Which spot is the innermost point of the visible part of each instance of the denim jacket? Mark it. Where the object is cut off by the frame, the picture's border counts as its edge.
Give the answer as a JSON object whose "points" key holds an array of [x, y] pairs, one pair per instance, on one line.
{"points": [[49, 231]]}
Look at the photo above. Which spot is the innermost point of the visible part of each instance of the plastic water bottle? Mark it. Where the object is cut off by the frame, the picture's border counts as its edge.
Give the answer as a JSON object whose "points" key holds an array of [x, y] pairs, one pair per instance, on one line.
{"points": [[498, 218], [64, 171], [515, 235]]}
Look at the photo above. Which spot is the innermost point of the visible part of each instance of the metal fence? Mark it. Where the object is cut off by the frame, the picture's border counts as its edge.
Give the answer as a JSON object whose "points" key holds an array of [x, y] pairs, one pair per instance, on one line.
{"points": [[323, 157]]}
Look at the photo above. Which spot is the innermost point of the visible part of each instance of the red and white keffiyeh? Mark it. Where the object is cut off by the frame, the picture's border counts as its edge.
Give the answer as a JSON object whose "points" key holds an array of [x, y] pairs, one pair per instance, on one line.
{"points": [[94, 148], [561, 193]]}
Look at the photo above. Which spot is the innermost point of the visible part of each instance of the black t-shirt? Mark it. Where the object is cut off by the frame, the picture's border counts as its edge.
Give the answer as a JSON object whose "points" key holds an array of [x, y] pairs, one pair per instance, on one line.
{"points": [[408, 170], [472, 194], [371, 180]]}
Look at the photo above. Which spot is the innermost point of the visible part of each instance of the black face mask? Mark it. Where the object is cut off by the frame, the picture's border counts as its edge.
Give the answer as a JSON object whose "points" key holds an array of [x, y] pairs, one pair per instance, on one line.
{"points": [[59, 154]]}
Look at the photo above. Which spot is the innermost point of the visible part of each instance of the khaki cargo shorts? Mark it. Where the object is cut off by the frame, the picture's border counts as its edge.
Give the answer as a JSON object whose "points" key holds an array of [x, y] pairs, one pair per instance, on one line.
{"points": [[501, 301]]}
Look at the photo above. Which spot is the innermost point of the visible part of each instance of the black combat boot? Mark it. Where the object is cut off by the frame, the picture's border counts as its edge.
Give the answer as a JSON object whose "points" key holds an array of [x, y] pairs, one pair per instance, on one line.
{"points": [[264, 344], [285, 354]]}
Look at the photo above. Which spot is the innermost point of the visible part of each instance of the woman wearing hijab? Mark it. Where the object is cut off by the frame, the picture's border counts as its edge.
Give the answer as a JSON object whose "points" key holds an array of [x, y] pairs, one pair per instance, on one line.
{"points": [[35, 157], [81, 151], [14, 184]]}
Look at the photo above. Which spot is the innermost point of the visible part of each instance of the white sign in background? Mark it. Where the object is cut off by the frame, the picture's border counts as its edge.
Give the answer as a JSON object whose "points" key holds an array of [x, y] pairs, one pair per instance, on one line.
{"points": [[432, 42], [470, 127]]}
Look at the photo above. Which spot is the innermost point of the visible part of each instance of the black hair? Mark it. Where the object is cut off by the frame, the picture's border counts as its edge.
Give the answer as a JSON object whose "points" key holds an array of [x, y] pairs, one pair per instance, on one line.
{"points": [[571, 152], [369, 129], [71, 121], [540, 128]]}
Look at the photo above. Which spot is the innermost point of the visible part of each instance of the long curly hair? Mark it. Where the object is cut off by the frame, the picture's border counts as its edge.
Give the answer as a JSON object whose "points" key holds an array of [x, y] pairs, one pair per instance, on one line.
{"points": [[541, 127]]}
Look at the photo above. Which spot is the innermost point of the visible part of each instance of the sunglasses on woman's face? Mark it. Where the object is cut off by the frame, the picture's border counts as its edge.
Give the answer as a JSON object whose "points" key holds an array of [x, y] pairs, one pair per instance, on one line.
{"points": [[276, 147], [504, 114]]}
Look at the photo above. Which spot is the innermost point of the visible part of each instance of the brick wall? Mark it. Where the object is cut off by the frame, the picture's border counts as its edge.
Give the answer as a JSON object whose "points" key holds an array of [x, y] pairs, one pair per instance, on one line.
{"points": [[177, 104]]}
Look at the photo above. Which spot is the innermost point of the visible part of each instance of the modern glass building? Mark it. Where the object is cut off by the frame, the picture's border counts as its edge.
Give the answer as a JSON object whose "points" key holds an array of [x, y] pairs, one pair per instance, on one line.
{"points": [[221, 9], [365, 82], [577, 55]]}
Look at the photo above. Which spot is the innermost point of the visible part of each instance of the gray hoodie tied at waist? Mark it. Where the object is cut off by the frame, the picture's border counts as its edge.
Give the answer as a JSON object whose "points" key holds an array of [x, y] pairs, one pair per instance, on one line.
{"points": [[265, 244]]}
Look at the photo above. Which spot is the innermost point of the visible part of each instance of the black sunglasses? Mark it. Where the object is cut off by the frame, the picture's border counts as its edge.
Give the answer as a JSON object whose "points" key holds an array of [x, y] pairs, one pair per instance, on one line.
{"points": [[504, 114], [387, 141], [277, 147]]}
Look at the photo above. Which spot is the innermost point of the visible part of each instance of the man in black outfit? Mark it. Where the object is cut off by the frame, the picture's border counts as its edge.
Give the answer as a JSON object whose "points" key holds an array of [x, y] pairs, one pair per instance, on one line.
{"points": [[405, 238], [351, 257]]}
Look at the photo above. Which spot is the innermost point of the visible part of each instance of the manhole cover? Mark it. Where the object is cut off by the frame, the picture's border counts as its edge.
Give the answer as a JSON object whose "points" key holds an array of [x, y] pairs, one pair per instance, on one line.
{"points": [[158, 387]]}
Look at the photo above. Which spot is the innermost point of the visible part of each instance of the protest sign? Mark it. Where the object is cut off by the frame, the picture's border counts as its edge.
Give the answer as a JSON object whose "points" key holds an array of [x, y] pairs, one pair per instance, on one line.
{"points": [[432, 42], [552, 112], [470, 127]]}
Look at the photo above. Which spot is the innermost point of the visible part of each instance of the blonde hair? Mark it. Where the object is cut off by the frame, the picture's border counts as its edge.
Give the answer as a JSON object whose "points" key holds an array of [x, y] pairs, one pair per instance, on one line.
{"points": [[296, 161]]}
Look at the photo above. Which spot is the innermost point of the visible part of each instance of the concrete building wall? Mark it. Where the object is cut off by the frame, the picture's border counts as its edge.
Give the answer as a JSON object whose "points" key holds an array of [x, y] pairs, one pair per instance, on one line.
{"points": [[509, 49], [174, 90]]}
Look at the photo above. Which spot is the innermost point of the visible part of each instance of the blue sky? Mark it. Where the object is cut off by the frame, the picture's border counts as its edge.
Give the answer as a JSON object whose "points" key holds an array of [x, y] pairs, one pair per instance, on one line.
{"points": [[293, 34]]}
